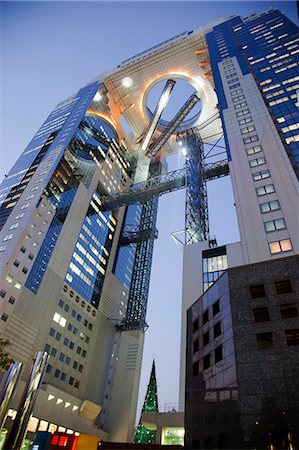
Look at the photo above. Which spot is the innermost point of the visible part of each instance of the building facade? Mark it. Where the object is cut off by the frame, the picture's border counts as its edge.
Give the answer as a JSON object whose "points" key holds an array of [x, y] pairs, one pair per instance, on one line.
{"points": [[254, 64], [78, 209], [242, 359]]}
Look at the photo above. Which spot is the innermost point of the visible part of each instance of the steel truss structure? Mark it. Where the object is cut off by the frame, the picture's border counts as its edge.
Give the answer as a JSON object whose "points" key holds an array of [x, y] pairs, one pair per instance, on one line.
{"points": [[196, 206], [138, 294]]}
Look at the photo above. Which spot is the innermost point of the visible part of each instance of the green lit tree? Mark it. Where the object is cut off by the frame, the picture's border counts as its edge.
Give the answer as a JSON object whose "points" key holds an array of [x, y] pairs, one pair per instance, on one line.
{"points": [[5, 360], [144, 435]]}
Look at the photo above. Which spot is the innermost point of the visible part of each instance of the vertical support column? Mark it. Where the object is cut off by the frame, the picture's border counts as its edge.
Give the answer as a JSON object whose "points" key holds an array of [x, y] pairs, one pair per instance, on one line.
{"points": [[11, 381], [19, 427], [138, 295], [196, 212]]}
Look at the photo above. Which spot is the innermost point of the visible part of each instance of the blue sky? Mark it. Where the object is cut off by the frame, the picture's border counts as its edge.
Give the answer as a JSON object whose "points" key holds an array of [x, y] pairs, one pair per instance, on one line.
{"points": [[51, 49]]}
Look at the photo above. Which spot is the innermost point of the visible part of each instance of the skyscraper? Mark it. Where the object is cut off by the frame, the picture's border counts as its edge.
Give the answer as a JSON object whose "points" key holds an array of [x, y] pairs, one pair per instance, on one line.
{"points": [[79, 207]]}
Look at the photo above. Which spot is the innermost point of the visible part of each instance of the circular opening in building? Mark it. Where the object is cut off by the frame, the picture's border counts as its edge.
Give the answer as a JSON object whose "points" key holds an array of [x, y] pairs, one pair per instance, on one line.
{"points": [[180, 93]]}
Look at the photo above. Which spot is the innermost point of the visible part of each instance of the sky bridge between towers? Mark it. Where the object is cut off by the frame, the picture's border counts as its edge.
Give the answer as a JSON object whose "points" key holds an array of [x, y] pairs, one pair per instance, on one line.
{"points": [[161, 184]]}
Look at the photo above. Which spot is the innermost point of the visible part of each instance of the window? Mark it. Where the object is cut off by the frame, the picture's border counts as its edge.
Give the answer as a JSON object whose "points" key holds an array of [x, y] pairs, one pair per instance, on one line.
{"points": [[292, 337], [53, 352], [71, 381], [47, 348], [250, 139], [4, 317], [246, 120], [63, 376], [195, 368], [30, 256], [273, 225], [67, 360], [66, 342], [80, 368], [264, 190], [84, 353], [269, 206], [218, 354], [261, 175], [217, 329], [247, 129], [205, 338], [2, 293], [77, 384], [264, 341], [257, 161], [75, 365], [57, 336], [49, 368], [240, 105], [216, 307], [57, 373], [206, 361], [11, 300], [257, 291], [261, 314], [52, 332], [7, 237], [280, 246], [205, 317], [62, 357], [283, 287], [195, 325], [59, 319], [23, 249], [288, 310], [25, 270], [253, 150], [243, 112]]}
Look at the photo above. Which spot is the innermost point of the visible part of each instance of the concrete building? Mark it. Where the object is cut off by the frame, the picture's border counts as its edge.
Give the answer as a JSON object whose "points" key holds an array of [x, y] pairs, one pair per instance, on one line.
{"points": [[79, 208]]}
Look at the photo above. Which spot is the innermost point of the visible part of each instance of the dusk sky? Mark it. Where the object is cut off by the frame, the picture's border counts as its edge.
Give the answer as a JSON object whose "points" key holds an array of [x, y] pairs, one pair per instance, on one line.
{"points": [[49, 50]]}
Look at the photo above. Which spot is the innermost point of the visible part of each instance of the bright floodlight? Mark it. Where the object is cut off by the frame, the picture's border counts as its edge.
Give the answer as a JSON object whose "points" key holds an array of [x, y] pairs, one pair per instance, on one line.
{"points": [[98, 97], [184, 151], [127, 82]]}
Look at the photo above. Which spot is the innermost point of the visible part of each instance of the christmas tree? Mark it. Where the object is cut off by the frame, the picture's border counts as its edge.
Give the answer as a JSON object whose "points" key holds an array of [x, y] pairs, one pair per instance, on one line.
{"points": [[142, 434]]}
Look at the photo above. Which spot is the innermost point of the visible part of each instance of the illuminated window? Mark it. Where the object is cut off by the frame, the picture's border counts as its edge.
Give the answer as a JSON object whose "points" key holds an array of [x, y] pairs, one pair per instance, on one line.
{"points": [[18, 285], [284, 245], [59, 319]]}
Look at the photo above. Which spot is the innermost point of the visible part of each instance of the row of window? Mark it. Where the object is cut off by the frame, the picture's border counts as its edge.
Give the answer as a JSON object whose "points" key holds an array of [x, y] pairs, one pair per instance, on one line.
{"points": [[265, 341], [207, 360], [281, 287], [62, 376], [287, 311], [75, 314], [67, 342], [206, 316], [206, 337]]}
